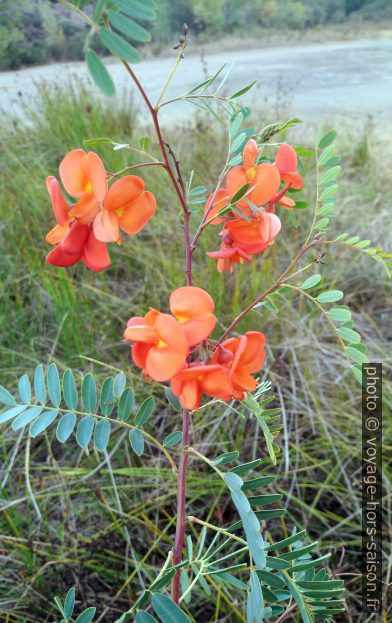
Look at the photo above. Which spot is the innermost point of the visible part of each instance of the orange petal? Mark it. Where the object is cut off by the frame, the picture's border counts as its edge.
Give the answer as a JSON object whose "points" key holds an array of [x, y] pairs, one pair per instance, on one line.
{"points": [[164, 363], [75, 240], [140, 351], [57, 234], [221, 200], [96, 175], [171, 333], [58, 257], [286, 159], [137, 213], [236, 179], [85, 209], [73, 173], [123, 192], [193, 309], [60, 206], [190, 396], [216, 383], [106, 226], [254, 354], [287, 202], [96, 256], [250, 153], [267, 181], [139, 331], [294, 179]]}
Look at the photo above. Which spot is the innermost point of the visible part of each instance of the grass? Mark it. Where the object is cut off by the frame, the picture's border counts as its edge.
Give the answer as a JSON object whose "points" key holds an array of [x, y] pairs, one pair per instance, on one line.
{"points": [[50, 314]]}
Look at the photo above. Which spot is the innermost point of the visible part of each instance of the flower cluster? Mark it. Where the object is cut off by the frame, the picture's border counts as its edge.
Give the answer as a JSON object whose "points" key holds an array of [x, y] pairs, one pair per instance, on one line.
{"points": [[98, 214], [175, 347], [253, 225]]}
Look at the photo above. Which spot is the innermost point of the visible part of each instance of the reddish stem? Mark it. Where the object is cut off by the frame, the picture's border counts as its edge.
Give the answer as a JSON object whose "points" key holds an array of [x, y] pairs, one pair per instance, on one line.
{"points": [[181, 493]]}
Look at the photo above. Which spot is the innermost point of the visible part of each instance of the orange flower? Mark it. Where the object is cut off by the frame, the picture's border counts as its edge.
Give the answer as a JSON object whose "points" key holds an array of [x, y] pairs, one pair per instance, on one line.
{"points": [[127, 206], [198, 379], [160, 346], [248, 357], [264, 177], [227, 256], [221, 199], [80, 244], [193, 309], [84, 178], [60, 210], [286, 160], [255, 235]]}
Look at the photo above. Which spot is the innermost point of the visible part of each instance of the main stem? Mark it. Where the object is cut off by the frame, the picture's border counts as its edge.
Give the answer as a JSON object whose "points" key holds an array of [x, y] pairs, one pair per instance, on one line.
{"points": [[178, 184]]}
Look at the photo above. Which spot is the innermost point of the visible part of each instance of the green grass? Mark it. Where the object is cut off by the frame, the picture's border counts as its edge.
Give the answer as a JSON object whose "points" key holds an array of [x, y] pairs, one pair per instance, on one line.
{"points": [[53, 314]]}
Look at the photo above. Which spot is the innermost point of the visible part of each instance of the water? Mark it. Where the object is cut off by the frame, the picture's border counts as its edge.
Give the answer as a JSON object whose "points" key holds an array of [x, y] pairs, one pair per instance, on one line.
{"points": [[349, 78]]}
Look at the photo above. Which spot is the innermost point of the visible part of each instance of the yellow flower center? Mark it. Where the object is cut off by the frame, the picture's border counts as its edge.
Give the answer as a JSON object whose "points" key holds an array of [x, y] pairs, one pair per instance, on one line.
{"points": [[89, 187], [161, 344], [251, 174], [181, 318], [119, 212]]}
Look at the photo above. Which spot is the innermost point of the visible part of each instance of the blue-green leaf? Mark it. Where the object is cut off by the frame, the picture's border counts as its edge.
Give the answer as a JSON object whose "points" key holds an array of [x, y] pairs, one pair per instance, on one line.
{"points": [[119, 46], [125, 404], [255, 602], [42, 422], [167, 610], [138, 9], [102, 435], [69, 603], [330, 296], [311, 282], [69, 390], [11, 413], [145, 411], [106, 402], [128, 27], [136, 440], [86, 616], [24, 388], [84, 431], [144, 617], [172, 439], [39, 384], [26, 417], [65, 427], [54, 388], [119, 384], [175, 403], [5, 397], [100, 74], [89, 393], [327, 139]]}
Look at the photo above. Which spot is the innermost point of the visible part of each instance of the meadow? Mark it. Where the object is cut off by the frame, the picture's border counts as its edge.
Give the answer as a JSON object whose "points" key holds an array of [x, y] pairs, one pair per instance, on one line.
{"points": [[78, 318]]}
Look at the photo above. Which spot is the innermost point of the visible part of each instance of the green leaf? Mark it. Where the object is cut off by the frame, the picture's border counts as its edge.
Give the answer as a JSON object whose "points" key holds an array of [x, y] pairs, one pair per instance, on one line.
{"points": [[271, 578], [102, 435], [286, 542], [100, 74], [255, 601], [128, 27], [167, 610], [244, 468], [136, 440], [144, 617], [26, 417], [328, 192], [39, 384], [265, 500], [163, 581], [98, 9], [54, 388], [329, 175], [145, 411], [330, 296], [5, 397], [84, 431], [89, 393], [303, 607], [24, 388], [327, 139], [311, 282], [173, 439], [42, 422], [140, 9], [100, 140], [274, 562], [11, 413], [59, 604], [268, 438], [125, 404], [175, 403], [243, 91], [119, 46], [326, 155], [256, 483], [119, 384], [222, 459], [86, 616], [69, 390], [106, 401], [340, 314], [65, 427], [69, 603], [355, 355], [348, 335], [309, 564]]}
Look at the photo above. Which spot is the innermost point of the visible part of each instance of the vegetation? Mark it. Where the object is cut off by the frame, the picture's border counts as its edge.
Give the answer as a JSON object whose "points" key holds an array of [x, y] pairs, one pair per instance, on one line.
{"points": [[39, 31], [81, 538]]}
